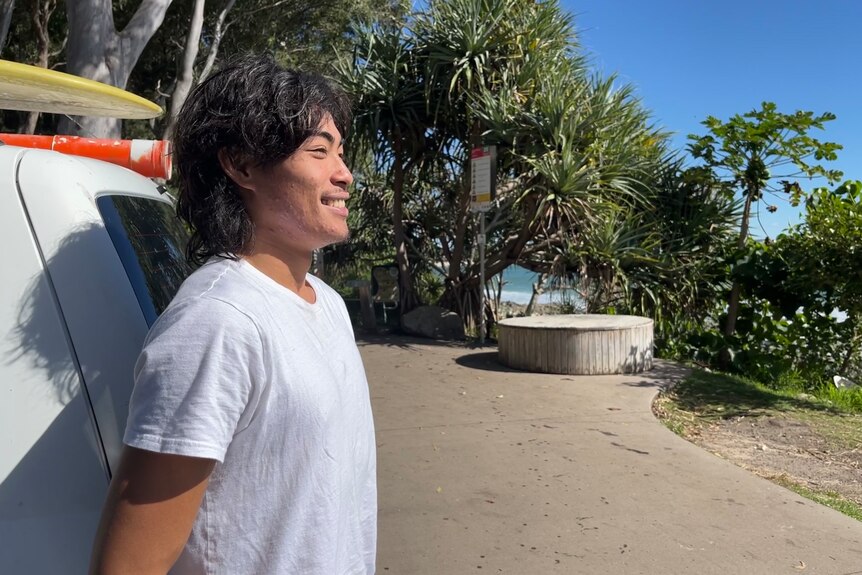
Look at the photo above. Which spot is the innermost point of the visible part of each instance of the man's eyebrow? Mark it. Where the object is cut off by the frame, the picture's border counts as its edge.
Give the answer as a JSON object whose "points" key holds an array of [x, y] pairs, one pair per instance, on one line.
{"points": [[328, 137]]}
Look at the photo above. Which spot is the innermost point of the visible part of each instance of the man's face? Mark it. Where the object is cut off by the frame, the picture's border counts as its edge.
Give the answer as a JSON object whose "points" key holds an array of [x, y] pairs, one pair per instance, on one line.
{"points": [[298, 204]]}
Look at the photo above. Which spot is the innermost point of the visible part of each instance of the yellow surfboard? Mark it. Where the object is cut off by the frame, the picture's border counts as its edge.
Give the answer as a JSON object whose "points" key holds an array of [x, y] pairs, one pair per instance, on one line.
{"points": [[34, 89]]}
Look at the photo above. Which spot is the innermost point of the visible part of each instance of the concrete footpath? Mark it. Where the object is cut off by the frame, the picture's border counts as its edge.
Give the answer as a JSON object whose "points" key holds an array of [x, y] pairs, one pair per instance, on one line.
{"points": [[483, 469]]}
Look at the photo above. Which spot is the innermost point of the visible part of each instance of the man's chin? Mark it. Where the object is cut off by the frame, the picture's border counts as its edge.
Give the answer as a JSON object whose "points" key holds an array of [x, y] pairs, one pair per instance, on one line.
{"points": [[343, 239]]}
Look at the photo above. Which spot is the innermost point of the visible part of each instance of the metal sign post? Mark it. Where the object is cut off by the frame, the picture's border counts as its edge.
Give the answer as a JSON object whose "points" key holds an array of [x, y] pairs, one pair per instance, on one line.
{"points": [[483, 168], [481, 278]]}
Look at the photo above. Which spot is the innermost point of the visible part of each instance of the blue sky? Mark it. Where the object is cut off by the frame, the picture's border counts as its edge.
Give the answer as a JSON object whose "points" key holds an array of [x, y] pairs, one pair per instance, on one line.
{"points": [[691, 59]]}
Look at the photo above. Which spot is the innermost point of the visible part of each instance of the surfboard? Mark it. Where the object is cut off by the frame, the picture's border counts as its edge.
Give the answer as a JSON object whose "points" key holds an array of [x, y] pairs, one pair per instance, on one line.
{"points": [[35, 89]]}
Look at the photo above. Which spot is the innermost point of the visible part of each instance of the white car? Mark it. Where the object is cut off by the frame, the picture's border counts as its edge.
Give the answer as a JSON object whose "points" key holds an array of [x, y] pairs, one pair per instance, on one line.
{"points": [[92, 254]]}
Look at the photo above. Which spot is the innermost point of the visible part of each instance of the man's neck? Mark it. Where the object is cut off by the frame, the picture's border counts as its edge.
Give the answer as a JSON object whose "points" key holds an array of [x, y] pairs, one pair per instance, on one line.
{"points": [[288, 270]]}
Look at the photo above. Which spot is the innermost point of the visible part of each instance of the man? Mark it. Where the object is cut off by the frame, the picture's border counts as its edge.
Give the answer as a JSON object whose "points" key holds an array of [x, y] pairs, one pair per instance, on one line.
{"points": [[250, 443]]}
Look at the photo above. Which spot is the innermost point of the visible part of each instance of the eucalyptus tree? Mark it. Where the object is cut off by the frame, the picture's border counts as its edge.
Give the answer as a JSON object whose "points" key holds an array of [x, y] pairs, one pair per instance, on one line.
{"points": [[98, 50], [6, 9], [160, 49], [195, 36]]}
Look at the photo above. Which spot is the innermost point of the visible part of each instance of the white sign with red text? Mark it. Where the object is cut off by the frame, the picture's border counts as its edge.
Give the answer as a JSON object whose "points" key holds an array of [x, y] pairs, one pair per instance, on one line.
{"points": [[483, 168]]}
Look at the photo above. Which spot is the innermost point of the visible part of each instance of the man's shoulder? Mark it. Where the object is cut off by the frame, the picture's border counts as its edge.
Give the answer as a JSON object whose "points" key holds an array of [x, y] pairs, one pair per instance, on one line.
{"points": [[216, 289], [217, 276]]}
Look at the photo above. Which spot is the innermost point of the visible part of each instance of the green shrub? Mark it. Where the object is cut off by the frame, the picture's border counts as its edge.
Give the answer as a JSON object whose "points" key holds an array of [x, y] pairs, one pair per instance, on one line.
{"points": [[844, 399]]}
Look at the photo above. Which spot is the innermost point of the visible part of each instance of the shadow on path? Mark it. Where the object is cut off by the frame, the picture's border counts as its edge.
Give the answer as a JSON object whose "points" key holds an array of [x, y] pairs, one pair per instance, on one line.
{"points": [[663, 374], [486, 361], [405, 342]]}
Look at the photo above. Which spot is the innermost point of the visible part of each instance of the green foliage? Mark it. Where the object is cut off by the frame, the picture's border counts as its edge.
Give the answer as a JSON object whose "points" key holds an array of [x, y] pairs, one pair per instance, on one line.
{"points": [[849, 400], [747, 150], [800, 284], [429, 285], [828, 246], [798, 322], [571, 149], [778, 340]]}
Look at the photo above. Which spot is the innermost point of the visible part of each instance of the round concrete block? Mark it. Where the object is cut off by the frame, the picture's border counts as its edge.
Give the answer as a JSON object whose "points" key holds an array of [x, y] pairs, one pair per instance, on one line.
{"points": [[577, 344]]}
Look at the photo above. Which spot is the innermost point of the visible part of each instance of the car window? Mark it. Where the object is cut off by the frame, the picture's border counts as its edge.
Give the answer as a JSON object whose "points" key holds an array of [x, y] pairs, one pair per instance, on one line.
{"points": [[151, 242]]}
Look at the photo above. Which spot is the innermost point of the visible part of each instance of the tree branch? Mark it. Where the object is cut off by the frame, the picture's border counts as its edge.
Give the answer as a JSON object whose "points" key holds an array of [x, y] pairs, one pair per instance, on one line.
{"points": [[185, 76], [134, 37], [6, 9], [261, 9], [220, 30]]}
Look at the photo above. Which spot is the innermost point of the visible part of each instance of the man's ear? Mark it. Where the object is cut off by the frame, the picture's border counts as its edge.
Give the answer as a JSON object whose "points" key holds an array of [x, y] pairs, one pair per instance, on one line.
{"points": [[237, 168]]}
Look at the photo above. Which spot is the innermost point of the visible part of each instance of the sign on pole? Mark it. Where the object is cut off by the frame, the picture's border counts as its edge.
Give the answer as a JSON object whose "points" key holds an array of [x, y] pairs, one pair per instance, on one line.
{"points": [[483, 169]]}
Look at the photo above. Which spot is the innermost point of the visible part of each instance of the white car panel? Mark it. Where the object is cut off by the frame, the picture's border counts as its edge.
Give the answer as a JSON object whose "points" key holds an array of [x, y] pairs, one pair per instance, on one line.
{"points": [[103, 316], [70, 331], [52, 471]]}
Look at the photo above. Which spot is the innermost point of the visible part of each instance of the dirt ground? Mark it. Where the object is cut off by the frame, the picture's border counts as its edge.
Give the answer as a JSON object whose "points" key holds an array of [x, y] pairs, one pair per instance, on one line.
{"points": [[822, 452]]}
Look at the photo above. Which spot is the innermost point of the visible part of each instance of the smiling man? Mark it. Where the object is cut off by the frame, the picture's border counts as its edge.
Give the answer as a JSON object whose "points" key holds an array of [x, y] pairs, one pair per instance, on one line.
{"points": [[250, 442]]}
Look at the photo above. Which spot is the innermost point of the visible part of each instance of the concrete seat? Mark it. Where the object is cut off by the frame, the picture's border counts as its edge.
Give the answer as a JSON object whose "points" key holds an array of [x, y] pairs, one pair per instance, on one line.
{"points": [[577, 344]]}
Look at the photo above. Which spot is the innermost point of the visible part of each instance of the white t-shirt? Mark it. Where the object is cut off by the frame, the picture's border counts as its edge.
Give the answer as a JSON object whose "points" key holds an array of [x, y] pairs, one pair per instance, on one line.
{"points": [[242, 370]]}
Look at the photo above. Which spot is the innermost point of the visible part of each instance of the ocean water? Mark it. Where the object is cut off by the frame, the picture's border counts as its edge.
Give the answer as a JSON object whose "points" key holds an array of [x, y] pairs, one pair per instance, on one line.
{"points": [[518, 287]]}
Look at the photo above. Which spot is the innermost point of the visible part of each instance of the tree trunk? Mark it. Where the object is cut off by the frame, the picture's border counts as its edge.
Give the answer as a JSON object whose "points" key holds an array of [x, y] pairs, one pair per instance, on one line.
{"points": [[733, 303], [96, 51], [461, 291], [40, 16], [724, 359], [186, 73], [852, 348], [6, 9], [220, 29], [406, 294], [538, 289], [463, 210]]}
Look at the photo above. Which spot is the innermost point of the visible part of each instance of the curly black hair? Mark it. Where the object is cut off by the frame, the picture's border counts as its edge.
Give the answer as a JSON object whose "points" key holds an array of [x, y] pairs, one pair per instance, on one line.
{"points": [[256, 110]]}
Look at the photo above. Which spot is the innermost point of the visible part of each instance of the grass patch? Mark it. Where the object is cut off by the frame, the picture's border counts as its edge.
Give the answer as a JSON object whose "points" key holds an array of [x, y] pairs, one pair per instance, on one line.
{"points": [[827, 498], [831, 419], [848, 400], [842, 432], [718, 396]]}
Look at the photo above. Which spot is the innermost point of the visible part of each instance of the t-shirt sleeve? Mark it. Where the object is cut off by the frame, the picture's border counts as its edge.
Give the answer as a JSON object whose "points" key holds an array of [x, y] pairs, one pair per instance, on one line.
{"points": [[197, 380]]}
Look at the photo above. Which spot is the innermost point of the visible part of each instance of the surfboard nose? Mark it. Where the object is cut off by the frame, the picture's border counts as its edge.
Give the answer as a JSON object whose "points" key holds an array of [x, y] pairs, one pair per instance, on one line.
{"points": [[34, 89]]}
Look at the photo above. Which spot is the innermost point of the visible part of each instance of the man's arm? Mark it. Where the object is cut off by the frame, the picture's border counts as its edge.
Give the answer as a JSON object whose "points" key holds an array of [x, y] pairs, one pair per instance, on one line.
{"points": [[149, 512]]}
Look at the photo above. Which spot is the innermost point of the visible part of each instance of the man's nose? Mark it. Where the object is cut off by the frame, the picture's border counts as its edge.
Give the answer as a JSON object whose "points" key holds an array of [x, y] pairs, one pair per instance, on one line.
{"points": [[342, 174]]}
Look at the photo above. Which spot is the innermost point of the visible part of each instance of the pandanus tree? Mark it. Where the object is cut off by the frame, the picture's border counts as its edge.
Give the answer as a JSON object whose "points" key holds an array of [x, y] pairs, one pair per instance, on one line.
{"points": [[588, 153], [503, 72], [415, 91], [391, 121], [484, 61]]}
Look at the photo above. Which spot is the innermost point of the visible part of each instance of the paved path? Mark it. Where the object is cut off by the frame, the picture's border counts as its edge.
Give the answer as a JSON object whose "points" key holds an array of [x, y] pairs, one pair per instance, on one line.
{"points": [[488, 470]]}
